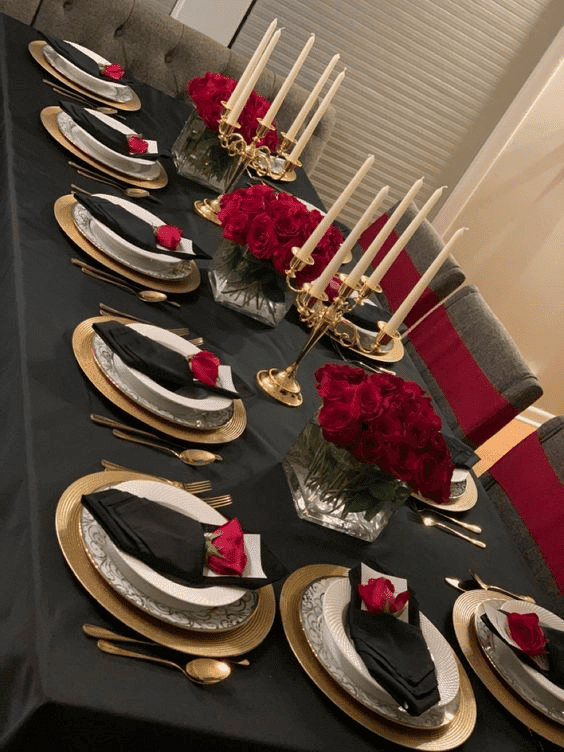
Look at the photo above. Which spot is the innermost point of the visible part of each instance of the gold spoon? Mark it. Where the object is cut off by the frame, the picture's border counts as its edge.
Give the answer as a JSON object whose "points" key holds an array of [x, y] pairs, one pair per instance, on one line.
{"points": [[101, 633], [497, 589], [429, 521], [198, 670], [194, 457], [454, 520]]}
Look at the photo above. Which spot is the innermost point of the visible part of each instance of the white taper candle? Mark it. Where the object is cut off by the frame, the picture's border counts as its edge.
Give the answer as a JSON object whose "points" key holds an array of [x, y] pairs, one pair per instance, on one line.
{"points": [[251, 64], [316, 117], [322, 227], [290, 78], [240, 102], [413, 296], [347, 245], [312, 98], [404, 238], [368, 256]]}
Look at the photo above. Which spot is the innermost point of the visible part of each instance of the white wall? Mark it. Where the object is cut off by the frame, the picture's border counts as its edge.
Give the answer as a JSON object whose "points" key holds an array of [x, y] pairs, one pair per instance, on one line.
{"points": [[218, 19]]}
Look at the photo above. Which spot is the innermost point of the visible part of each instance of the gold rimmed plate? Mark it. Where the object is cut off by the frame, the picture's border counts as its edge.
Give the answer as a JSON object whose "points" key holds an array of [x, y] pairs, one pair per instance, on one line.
{"points": [[36, 50], [463, 615], [462, 503], [49, 119], [82, 348], [63, 214], [444, 738], [237, 641]]}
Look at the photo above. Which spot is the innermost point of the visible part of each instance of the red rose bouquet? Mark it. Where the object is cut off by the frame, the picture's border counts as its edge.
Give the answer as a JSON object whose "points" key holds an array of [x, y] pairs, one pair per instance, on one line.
{"points": [[197, 152], [376, 439], [262, 225]]}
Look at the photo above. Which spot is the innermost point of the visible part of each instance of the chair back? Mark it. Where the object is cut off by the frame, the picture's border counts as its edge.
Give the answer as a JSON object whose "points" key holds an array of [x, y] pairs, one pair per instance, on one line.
{"points": [[527, 487], [471, 367]]}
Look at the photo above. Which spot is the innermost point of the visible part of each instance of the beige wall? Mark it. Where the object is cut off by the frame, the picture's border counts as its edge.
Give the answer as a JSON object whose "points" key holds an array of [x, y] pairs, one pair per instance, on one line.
{"points": [[512, 199]]}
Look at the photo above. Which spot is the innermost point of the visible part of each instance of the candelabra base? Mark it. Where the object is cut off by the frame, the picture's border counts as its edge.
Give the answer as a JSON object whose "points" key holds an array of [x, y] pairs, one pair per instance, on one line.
{"points": [[208, 209], [281, 385]]}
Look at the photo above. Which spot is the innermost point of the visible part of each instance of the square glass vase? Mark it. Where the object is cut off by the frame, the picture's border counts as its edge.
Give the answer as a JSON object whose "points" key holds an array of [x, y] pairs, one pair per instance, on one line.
{"points": [[248, 285], [199, 156], [324, 479]]}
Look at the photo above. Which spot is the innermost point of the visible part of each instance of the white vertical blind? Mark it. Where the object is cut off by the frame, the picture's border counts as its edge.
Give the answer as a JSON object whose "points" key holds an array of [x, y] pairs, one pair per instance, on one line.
{"points": [[426, 81]]}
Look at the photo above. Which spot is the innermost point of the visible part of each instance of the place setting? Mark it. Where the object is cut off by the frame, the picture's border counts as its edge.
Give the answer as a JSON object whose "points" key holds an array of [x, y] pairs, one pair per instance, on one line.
{"points": [[129, 240], [161, 379], [360, 637], [106, 143], [167, 564], [516, 648], [85, 72]]}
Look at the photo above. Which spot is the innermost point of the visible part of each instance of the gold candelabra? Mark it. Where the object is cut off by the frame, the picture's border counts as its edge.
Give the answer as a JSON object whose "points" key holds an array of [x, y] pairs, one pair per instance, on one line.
{"points": [[259, 158], [322, 316]]}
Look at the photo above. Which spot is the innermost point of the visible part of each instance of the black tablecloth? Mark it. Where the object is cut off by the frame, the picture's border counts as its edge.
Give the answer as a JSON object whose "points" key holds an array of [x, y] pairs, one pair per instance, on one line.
{"points": [[56, 686]]}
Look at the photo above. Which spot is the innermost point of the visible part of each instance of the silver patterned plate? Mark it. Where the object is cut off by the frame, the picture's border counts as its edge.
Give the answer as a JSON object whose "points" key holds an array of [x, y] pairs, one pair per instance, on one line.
{"points": [[311, 615], [207, 413], [525, 680], [154, 264]]}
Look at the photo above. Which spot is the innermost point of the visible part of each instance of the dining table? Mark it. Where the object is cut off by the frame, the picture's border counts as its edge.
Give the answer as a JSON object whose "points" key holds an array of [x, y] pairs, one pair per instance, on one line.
{"points": [[56, 686]]}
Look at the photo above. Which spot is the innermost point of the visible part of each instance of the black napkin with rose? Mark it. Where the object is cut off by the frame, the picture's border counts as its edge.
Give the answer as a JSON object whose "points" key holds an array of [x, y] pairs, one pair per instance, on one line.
{"points": [[394, 652], [166, 367], [134, 229], [128, 144], [177, 546], [534, 641], [111, 72]]}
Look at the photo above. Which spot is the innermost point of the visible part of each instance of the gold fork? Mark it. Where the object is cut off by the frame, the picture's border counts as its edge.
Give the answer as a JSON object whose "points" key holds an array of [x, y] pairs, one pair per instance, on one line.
{"points": [[197, 486]]}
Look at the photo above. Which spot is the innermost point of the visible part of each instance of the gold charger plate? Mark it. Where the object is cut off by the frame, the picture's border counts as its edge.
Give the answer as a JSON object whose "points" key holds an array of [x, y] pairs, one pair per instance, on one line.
{"points": [[82, 348], [36, 50], [233, 642], [63, 214], [463, 618], [49, 119], [461, 503], [444, 738]]}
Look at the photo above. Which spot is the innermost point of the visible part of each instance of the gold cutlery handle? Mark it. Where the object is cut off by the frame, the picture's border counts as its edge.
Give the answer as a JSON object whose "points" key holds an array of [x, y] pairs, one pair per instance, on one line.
{"points": [[102, 420], [195, 487], [455, 521], [145, 442], [109, 280], [109, 647], [458, 534]]}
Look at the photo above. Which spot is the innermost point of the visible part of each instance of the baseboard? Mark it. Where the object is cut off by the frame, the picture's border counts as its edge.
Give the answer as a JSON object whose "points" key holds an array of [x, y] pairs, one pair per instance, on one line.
{"points": [[534, 416]]}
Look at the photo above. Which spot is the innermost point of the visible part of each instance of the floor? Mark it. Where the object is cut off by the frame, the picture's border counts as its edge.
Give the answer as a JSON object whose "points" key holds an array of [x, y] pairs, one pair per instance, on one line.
{"points": [[501, 443]]}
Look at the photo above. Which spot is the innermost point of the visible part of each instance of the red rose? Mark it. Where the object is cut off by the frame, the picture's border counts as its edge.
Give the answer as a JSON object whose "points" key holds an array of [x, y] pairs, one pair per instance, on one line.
{"points": [[329, 376], [378, 595], [339, 422], [260, 236], [526, 631], [235, 227], [169, 236], [205, 367], [137, 145], [227, 553], [113, 71]]}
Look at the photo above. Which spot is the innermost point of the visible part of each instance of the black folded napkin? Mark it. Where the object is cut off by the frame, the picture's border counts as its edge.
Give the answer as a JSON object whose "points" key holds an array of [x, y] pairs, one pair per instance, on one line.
{"points": [[554, 646], [81, 60], [127, 225], [394, 652], [165, 366], [167, 541], [104, 133]]}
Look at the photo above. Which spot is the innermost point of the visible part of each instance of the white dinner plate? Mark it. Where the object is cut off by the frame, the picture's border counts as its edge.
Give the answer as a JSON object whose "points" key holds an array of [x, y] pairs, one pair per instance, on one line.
{"points": [[146, 169], [150, 582], [207, 413], [342, 651], [103, 87], [525, 680], [161, 265]]}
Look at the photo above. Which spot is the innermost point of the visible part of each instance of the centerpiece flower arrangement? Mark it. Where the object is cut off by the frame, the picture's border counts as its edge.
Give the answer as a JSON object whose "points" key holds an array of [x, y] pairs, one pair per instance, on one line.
{"points": [[260, 226], [375, 440], [198, 153]]}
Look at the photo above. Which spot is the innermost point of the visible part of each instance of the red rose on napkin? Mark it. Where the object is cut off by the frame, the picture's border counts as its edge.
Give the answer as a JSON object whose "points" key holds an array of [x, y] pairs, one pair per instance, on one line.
{"points": [[205, 367], [379, 595], [226, 549], [113, 71], [137, 145], [169, 236], [526, 631]]}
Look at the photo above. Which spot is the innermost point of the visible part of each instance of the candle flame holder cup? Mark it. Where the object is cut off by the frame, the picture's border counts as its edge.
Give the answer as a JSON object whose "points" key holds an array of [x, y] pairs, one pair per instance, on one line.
{"points": [[259, 158], [323, 317]]}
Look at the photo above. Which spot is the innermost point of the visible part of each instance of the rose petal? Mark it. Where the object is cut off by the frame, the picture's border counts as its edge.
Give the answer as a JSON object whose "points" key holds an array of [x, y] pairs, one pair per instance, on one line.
{"points": [[205, 367], [113, 71], [169, 236], [229, 541], [137, 145]]}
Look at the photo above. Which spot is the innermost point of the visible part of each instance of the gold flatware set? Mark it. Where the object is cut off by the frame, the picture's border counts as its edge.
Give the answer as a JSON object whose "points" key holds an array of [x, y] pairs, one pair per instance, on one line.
{"points": [[477, 582], [431, 519]]}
